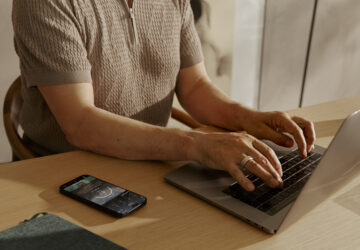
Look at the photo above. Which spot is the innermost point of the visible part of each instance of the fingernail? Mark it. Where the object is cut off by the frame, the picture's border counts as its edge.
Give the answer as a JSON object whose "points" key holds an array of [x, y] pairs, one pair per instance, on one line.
{"points": [[277, 177], [274, 182], [303, 152], [279, 167], [312, 148], [250, 186]]}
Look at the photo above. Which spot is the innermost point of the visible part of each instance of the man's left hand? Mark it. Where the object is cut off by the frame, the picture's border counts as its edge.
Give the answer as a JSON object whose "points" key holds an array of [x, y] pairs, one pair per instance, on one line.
{"points": [[273, 126]]}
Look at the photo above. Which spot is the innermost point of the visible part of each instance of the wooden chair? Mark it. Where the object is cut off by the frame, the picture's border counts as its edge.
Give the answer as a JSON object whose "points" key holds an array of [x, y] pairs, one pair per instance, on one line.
{"points": [[184, 118], [11, 110]]}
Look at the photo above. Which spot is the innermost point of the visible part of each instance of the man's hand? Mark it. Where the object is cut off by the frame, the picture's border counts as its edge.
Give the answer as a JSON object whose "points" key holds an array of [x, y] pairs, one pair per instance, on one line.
{"points": [[272, 126], [210, 106], [226, 150]]}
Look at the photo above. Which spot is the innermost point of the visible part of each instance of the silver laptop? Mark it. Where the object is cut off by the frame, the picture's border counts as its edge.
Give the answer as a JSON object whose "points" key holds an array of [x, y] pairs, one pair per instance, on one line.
{"points": [[307, 182]]}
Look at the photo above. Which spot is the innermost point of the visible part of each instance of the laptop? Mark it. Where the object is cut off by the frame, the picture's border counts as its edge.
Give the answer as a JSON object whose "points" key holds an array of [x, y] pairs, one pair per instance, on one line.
{"points": [[307, 182]]}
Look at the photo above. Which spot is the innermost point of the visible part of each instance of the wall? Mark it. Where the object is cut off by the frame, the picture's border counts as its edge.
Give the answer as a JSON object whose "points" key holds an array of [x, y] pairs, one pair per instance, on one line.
{"points": [[335, 52], [9, 68], [248, 39], [286, 37], [216, 31], [334, 56]]}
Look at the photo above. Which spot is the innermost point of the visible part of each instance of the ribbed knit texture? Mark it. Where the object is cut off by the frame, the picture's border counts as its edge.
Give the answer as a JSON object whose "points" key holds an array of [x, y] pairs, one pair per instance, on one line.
{"points": [[71, 41]]}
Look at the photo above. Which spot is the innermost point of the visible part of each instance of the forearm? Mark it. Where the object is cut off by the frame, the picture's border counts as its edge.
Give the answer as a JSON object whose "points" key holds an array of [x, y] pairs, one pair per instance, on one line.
{"points": [[109, 134], [210, 106]]}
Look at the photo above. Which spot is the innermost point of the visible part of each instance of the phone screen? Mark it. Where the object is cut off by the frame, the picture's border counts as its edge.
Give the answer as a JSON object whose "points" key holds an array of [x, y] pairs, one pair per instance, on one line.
{"points": [[95, 190], [104, 194]]}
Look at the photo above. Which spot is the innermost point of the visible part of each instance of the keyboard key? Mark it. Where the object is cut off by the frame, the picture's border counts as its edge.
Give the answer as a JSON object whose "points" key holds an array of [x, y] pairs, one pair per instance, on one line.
{"points": [[252, 177], [238, 192], [278, 202], [297, 170], [315, 157], [288, 157]]}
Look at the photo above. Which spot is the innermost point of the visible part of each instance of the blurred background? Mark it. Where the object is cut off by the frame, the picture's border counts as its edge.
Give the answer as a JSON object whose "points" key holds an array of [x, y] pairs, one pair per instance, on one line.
{"points": [[266, 54]]}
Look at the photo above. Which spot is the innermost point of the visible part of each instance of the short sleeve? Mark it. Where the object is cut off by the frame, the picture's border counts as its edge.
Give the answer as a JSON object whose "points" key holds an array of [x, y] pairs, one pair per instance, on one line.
{"points": [[190, 46], [49, 43]]}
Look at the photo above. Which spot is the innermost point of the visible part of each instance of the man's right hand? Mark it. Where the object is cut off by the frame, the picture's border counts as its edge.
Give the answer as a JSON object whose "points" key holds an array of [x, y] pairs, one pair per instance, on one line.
{"points": [[225, 151]]}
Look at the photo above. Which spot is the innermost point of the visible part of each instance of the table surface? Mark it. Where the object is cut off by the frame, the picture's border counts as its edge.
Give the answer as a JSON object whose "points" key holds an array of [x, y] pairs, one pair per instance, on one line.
{"points": [[173, 219]]}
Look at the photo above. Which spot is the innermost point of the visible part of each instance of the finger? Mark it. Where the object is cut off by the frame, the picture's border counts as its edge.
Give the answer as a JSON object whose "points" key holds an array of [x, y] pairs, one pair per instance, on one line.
{"points": [[262, 173], [263, 162], [239, 176], [291, 127], [309, 131], [269, 154], [278, 137]]}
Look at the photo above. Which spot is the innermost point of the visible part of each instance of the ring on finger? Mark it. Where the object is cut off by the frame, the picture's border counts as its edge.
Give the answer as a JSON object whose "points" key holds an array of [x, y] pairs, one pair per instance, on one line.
{"points": [[245, 160]]}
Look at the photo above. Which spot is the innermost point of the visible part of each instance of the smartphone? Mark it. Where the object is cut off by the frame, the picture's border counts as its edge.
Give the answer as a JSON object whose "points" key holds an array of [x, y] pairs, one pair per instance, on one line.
{"points": [[107, 197]]}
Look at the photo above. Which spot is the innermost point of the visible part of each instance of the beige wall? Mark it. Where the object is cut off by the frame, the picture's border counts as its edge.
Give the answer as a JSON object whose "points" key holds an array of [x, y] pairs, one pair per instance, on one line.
{"points": [[335, 52], [248, 36], [216, 31], [286, 37], [9, 68], [334, 58]]}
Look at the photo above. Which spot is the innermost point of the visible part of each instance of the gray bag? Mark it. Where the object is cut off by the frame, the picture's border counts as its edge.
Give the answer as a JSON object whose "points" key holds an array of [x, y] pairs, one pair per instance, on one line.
{"points": [[52, 232]]}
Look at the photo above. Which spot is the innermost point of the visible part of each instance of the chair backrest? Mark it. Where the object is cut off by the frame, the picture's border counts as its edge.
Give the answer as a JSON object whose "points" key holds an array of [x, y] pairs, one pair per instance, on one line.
{"points": [[11, 111], [184, 118]]}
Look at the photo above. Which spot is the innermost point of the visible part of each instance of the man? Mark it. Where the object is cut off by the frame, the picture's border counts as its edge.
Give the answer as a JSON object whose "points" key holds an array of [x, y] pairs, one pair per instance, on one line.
{"points": [[101, 75]]}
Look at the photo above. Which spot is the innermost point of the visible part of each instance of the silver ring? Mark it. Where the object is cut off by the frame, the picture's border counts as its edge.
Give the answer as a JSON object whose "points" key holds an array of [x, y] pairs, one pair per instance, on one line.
{"points": [[245, 160]]}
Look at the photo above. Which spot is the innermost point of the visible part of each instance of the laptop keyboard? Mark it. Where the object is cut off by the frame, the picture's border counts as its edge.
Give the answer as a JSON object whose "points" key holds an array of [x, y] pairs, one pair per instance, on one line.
{"points": [[296, 171]]}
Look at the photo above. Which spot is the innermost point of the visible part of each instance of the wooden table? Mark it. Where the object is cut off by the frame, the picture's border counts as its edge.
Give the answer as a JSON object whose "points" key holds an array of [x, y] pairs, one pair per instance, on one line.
{"points": [[173, 219]]}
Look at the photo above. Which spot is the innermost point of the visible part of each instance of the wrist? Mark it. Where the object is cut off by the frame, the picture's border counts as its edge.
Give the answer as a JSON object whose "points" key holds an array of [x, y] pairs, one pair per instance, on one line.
{"points": [[241, 116], [192, 149]]}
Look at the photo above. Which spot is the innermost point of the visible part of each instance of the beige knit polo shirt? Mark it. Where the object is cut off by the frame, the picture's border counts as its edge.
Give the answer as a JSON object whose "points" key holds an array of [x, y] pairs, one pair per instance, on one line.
{"points": [[131, 54]]}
